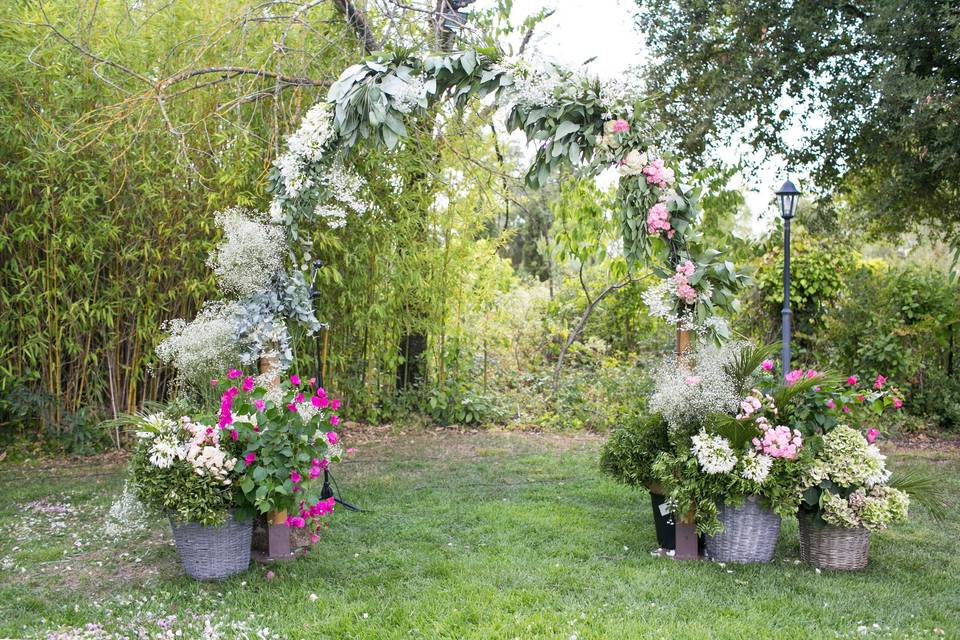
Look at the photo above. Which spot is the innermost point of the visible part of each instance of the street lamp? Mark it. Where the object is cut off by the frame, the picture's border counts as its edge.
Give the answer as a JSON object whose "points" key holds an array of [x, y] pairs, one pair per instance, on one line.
{"points": [[788, 196]]}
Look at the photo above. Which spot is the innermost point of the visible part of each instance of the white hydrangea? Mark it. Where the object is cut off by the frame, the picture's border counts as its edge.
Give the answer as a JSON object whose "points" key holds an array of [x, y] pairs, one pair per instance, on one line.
{"points": [[250, 254], [410, 95], [756, 466], [212, 461], [713, 453]]}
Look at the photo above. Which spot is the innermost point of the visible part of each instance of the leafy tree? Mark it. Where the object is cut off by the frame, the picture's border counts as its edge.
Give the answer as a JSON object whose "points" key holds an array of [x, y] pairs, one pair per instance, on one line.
{"points": [[882, 76]]}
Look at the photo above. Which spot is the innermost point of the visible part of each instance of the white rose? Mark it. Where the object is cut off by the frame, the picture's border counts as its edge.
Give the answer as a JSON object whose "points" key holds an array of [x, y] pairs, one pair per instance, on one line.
{"points": [[633, 163]]}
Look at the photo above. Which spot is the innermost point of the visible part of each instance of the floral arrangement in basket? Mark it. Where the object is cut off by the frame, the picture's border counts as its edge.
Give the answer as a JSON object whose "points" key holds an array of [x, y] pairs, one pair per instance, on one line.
{"points": [[262, 452]]}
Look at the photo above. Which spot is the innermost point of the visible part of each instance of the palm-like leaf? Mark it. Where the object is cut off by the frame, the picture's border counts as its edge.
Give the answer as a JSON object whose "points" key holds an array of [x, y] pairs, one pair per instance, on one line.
{"points": [[923, 488]]}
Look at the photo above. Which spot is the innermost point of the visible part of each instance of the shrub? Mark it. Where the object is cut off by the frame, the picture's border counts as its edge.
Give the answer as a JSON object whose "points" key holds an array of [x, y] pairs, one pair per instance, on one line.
{"points": [[629, 453]]}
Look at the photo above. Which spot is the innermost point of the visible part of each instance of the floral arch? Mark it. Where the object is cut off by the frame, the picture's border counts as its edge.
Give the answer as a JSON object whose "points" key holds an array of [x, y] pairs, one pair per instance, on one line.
{"points": [[579, 123]]}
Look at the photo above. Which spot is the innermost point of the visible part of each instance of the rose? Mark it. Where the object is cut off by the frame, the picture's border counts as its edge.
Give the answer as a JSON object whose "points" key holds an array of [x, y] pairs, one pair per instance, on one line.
{"points": [[633, 163]]}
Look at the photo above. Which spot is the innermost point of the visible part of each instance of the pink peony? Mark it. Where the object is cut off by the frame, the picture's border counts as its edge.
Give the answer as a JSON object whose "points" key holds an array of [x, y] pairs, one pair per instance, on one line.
{"points": [[295, 380], [658, 174], [872, 434], [620, 125], [794, 376], [332, 437], [247, 384], [853, 380], [878, 383], [250, 458], [767, 365]]}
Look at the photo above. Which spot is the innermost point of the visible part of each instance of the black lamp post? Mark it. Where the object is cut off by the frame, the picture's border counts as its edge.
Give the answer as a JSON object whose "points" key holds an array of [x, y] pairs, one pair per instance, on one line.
{"points": [[787, 197]]}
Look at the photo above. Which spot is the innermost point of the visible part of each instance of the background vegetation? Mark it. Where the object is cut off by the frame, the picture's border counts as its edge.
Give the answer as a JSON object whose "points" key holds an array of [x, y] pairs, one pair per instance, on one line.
{"points": [[125, 125]]}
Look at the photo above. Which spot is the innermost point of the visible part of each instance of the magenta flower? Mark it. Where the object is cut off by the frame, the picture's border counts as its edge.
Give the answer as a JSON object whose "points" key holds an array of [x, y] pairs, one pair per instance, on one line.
{"points": [[332, 437], [767, 365], [299, 398], [232, 392], [853, 380], [861, 398], [295, 380], [296, 477], [312, 382], [234, 373], [794, 376], [335, 404], [831, 403], [897, 403], [259, 404], [324, 463], [812, 373], [878, 383], [250, 458], [846, 409], [234, 435], [872, 434], [620, 125], [248, 384], [296, 522], [292, 407], [350, 450], [334, 419]]}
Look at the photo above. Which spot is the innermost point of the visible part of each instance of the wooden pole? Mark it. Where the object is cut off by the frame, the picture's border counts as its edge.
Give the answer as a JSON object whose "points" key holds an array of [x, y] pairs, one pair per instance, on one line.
{"points": [[278, 533], [685, 528]]}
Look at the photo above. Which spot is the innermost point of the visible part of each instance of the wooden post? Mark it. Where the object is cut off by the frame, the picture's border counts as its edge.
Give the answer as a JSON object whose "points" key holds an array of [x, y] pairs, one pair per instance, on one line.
{"points": [[278, 533], [685, 528]]}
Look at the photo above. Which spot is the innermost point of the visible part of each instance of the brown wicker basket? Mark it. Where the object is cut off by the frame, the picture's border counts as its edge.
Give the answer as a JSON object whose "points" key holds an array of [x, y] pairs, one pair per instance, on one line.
{"points": [[831, 547], [750, 533]]}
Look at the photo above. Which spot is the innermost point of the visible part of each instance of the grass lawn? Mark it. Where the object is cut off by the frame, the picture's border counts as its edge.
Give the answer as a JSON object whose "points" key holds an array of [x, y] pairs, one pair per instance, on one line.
{"points": [[478, 535]]}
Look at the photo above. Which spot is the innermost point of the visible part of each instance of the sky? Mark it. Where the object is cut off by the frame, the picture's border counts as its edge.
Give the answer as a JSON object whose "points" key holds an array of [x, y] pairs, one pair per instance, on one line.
{"points": [[604, 30]]}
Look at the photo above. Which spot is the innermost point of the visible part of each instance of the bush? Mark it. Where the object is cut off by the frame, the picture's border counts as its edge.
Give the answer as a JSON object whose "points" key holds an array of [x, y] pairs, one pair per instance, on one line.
{"points": [[629, 453]]}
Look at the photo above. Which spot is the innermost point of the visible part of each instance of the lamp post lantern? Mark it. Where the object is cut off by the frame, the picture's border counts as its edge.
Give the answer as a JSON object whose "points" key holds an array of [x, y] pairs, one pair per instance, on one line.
{"points": [[787, 197]]}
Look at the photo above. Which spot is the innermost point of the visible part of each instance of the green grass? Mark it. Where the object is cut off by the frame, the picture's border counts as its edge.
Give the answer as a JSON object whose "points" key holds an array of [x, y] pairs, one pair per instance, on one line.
{"points": [[485, 535]]}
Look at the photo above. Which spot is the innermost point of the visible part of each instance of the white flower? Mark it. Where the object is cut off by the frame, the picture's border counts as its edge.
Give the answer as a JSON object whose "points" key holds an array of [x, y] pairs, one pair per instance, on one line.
{"points": [[250, 254], [204, 346], [756, 466], [713, 453], [633, 163], [684, 405], [315, 132], [877, 461], [164, 451]]}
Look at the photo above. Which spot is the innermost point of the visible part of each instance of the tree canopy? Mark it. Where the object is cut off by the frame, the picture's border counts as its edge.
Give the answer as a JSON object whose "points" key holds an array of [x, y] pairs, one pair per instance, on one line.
{"points": [[873, 84]]}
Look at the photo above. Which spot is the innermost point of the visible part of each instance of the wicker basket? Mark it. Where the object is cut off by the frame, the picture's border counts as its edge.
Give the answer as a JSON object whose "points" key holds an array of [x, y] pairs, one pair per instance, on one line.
{"points": [[830, 547], [749, 533], [213, 553]]}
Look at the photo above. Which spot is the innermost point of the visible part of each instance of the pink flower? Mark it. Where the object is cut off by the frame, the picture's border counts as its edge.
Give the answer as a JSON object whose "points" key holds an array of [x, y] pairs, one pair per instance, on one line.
{"points": [[687, 293], [234, 435], [299, 398], [812, 373], [314, 472], [878, 383], [296, 521], [620, 125], [767, 365], [846, 409], [332, 437], [292, 407], [335, 404], [872, 434], [350, 450], [248, 384], [314, 538], [692, 380], [852, 380], [658, 218], [296, 477], [334, 419], [259, 404], [213, 382], [234, 373], [831, 403], [312, 382], [232, 392], [295, 380], [324, 463], [897, 403], [794, 376], [861, 398], [779, 442], [250, 458], [317, 401], [659, 174]]}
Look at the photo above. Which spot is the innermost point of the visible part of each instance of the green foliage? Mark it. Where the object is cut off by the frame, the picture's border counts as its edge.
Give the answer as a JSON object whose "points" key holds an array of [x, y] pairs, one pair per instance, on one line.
{"points": [[628, 454], [872, 82]]}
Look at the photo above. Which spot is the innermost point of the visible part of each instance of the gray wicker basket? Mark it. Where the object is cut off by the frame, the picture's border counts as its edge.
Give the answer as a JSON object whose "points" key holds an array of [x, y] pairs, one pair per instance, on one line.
{"points": [[830, 547], [749, 534], [213, 553]]}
